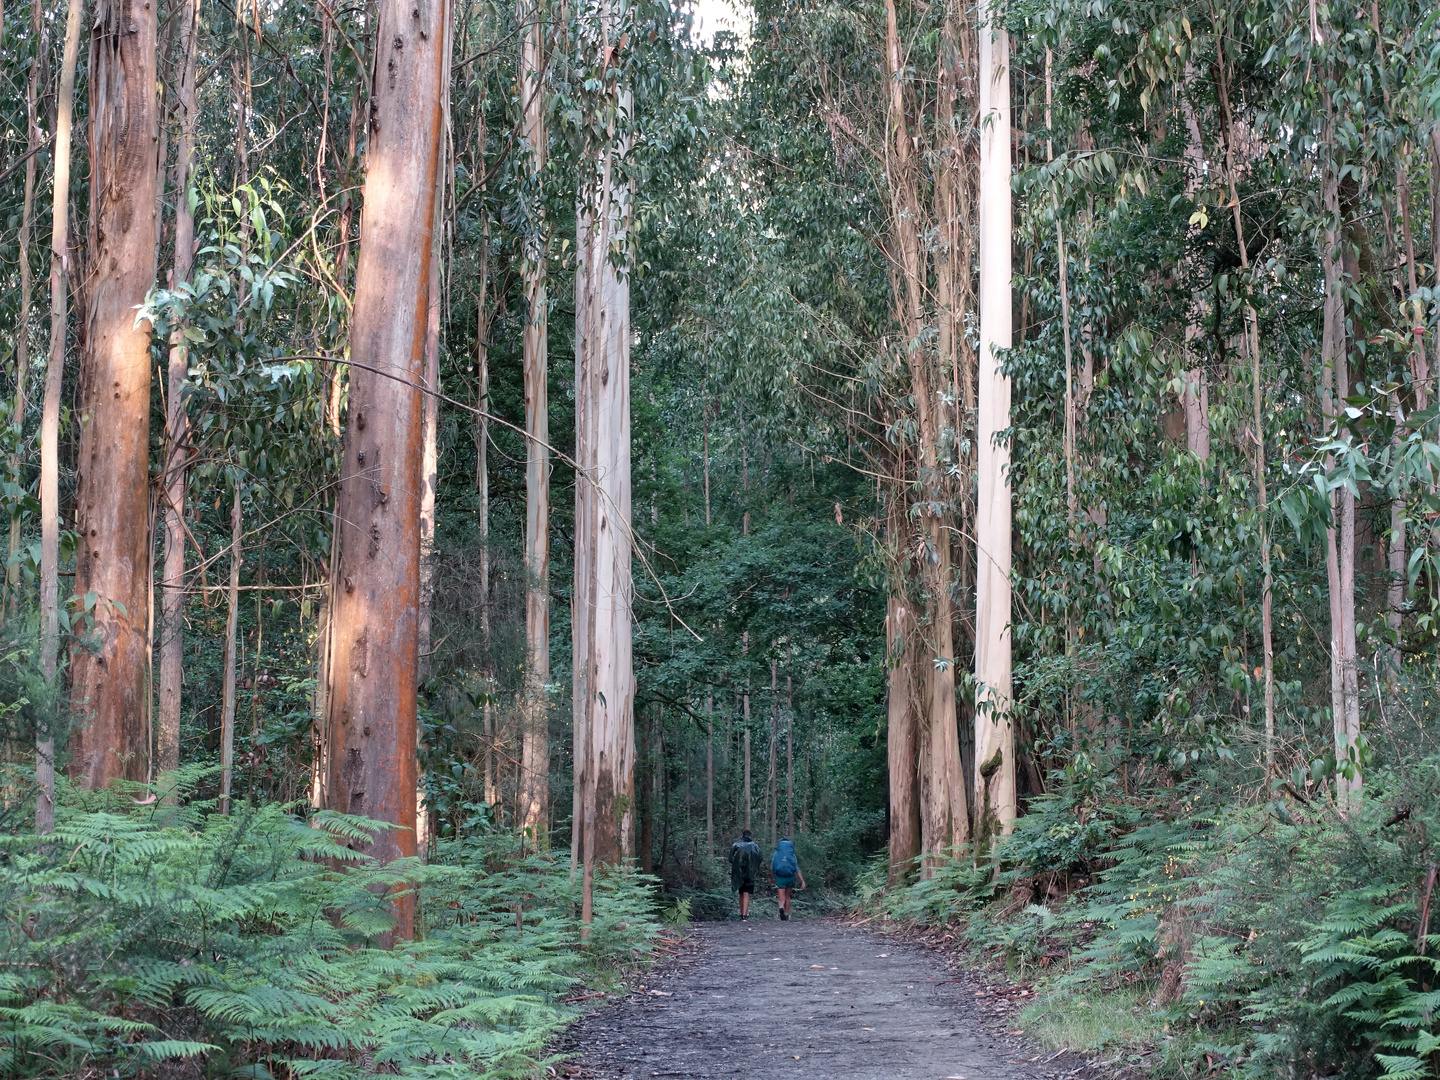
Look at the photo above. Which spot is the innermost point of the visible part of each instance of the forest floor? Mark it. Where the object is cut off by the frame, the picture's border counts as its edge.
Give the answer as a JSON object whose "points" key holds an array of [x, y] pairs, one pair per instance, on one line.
{"points": [[814, 998]]}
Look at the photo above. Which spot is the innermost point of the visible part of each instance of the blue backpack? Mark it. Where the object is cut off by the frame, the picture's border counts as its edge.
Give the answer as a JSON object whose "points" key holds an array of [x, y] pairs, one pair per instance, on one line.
{"points": [[783, 864]]}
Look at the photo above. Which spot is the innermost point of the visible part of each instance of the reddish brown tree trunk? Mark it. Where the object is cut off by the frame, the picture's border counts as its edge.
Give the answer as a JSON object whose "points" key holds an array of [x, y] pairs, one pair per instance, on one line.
{"points": [[113, 510], [371, 768]]}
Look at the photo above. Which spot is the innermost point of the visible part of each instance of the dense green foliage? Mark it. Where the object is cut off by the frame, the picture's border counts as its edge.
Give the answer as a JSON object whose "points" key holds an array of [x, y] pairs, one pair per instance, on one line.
{"points": [[135, 936]]}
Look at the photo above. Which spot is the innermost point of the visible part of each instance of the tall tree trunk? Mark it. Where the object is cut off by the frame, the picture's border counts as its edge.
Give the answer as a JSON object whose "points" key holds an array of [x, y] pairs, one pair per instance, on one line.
{"points": [[944, 815], [112, 483], [771, 779], [710, 775], [372, 705], [994, 734], [22, 317], [232, 625], [745, 737], [177, 426], [902, 741], [430, 436], [534, 804], [1340, 537], [605, 678], [50, 418]]}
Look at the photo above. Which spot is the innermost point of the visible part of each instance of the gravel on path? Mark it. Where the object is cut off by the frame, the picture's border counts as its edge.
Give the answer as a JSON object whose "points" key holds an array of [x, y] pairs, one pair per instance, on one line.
{"points": [[812, 998]]}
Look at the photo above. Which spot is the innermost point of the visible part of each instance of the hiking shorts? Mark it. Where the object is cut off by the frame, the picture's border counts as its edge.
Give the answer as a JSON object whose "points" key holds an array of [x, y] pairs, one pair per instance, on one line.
{"points": [[747, 885], [784, 881]]}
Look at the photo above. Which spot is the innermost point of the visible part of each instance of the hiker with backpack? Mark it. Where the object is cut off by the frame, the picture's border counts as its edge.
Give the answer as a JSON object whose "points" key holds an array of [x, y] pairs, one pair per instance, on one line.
{"points": [[745, 863], [786, 869]]}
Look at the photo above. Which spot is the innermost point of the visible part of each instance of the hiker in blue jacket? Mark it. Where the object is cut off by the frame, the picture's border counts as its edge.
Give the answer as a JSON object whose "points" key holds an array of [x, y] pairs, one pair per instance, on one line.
{"points": [[745, 863], [786, 869]]}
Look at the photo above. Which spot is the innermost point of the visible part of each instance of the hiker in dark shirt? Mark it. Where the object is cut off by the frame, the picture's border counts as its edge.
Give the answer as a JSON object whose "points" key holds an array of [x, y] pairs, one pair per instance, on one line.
{"points": [[786, 869], [745, 863]]}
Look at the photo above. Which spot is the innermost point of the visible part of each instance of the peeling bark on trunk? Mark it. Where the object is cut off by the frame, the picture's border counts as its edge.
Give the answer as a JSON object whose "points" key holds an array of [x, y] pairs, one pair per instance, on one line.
{"points": [[994, 734], [177, 428], [534, 794], [372, 715], [50, 418], [112, 483], [604, 673], [944, 813], [902, 740]]}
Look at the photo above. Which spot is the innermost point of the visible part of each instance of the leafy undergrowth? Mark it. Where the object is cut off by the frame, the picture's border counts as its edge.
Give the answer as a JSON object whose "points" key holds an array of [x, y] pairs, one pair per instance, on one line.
{"points": [[1183, 937], [164, 941]]}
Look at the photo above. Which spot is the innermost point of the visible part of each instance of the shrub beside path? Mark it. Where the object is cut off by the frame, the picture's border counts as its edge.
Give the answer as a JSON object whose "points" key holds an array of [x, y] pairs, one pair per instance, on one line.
{"points": [[813, 998]]}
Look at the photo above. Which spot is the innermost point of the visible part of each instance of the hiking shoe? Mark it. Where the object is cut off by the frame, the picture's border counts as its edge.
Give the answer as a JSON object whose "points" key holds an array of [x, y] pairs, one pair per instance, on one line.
{"points": [[784, 915]]}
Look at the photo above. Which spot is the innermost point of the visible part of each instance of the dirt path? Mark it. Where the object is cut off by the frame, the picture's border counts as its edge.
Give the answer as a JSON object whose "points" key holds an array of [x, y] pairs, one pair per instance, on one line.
{"points": [[808, 998]]}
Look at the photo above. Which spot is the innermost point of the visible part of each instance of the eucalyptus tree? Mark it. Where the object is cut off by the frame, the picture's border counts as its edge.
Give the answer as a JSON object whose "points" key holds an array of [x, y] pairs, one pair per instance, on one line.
{"points": [[604, 679], [172, 580], [994, 733], [108, 670], [534, 795], [371, 726], [50, 414]]}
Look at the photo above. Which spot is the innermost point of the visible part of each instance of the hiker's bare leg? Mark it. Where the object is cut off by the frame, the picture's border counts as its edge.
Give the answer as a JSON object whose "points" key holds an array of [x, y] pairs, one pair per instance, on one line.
{"points": [[744, 904], [784, 900]]}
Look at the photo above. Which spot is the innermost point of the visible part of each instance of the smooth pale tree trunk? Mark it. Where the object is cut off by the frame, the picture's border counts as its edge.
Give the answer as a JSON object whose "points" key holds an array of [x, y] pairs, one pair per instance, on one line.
{"points": [[482, 490], [177, 427], [372, 717], [108, 676], [1340, 537], [429, 468], [430, 436], [22, 317], [534, 796], [902, 742], [602, 655], [232, 625], [994, 734], [50, 417]]}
